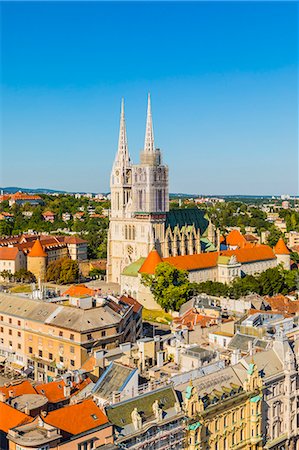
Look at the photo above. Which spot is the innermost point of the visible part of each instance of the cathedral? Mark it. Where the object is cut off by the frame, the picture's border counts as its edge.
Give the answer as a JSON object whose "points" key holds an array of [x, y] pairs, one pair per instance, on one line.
{"points": [[140, 219]]}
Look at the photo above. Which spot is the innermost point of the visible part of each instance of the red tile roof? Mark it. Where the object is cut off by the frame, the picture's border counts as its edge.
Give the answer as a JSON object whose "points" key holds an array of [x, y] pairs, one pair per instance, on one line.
{"points": [[191, 319], [250, 254], [132, 302], [11, 417], [54, 391], [37, 250], [89, 364], [283, 304], [74, 240], [78, 418], [24, 387], [208, 260], [8, 253], [235, 238], [78, 290], [151, 262], [280, 248]]}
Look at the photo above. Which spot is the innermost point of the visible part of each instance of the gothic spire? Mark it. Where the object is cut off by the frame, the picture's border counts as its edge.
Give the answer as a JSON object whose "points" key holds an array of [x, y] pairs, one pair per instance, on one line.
{"points": [[122, 156], [149, 145]]}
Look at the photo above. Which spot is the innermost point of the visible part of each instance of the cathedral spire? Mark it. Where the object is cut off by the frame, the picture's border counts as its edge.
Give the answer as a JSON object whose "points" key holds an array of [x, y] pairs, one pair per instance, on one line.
{"points": [[122, 150], [149, 145]]}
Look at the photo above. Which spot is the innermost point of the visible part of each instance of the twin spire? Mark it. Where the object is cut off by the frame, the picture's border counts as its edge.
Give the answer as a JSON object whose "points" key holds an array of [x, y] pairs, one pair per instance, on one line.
{"points": [[123, 151], [149, 145]]}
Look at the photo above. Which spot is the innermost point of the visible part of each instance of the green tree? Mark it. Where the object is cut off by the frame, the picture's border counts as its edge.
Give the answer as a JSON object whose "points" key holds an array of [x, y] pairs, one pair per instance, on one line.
{"points": [[24, 276], [63, 271], [274, 236], [170, 286], [6, 228]]}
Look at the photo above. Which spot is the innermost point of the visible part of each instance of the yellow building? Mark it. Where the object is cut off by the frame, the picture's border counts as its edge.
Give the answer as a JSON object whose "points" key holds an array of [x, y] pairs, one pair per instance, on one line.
{"points": [[224, 414], [48, 339]]}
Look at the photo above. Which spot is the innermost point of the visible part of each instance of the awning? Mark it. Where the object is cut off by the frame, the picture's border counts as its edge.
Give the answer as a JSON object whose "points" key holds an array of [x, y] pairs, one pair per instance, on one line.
{"points": [[16, 366]]}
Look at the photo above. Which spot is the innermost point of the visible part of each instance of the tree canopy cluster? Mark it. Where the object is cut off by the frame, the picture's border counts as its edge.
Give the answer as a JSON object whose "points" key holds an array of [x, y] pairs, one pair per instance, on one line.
{"points": [[171, 287], [93, 229], [63, 271]]}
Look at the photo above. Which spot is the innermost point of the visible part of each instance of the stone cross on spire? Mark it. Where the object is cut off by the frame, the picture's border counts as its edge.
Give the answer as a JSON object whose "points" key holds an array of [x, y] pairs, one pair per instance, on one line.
{"points": [[122, 155], [149, 145]]}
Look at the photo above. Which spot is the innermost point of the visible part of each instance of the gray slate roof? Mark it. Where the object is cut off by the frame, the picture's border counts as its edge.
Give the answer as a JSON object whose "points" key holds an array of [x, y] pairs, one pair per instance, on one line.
{"points": [[68, 317], [114, 379]]}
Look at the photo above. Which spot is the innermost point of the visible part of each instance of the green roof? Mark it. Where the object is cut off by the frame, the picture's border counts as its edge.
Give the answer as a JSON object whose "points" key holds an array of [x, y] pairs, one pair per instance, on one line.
{"points": [[188, 392], [255, 399], [250, 369], [132, 269], [188, 216], [194, 426], [223, 259], [206, 245], [120, 413]]}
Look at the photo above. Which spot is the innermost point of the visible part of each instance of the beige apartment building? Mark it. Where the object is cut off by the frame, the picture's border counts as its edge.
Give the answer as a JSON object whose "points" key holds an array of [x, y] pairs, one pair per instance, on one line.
{"points": [[48, 339]]}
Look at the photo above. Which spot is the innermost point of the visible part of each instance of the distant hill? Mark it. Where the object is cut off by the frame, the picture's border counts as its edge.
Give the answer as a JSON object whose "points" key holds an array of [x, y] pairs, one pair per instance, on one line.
{"points": [[14, 189]]}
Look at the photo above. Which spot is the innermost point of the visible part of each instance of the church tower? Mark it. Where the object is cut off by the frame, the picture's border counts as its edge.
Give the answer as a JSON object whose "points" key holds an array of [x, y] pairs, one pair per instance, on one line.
{"points": [[121, 175], [139, 202], [121, 193], [150, 177]]}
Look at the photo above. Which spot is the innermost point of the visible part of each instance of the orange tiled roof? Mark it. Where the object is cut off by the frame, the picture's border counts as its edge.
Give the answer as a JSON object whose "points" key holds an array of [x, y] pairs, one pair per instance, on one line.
{"points": [[8, 253], [37, 249], [280, 248], [208, 260], [74, 240], [235, 238], [283, 304], [89, 364], [78, 418], [79, 290], [151, 262], [250, 254], [191, 319], [193, 262], [11, 417], [48, 213], [54, 391], [131, 301], [25, 387]]}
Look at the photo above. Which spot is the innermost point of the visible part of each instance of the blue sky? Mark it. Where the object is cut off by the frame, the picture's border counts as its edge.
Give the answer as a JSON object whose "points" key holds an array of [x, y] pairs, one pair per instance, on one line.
{"points": [[223, 80]]}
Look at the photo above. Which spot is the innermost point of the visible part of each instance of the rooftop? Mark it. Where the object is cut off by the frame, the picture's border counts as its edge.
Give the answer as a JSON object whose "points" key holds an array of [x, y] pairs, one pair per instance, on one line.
{"points": [[114, 379], [78, 418]]}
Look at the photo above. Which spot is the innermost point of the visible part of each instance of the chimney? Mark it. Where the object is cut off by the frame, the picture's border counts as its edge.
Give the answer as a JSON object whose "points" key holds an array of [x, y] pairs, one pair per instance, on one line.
{"points": [[160, 358], [66, 390], [2, 397], [11, 393]]}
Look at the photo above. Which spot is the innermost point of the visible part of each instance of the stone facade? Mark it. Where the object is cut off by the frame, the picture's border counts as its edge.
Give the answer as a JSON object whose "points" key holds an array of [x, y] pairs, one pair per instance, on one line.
{"points": [[139, 218], [228, 416]]}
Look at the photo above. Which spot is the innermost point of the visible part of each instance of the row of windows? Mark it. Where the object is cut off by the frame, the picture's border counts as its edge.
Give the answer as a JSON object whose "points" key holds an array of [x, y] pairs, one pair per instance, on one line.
{"points": [[10, 320], [60, 334], [10, 344], [50, 356], [10, 332]]}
